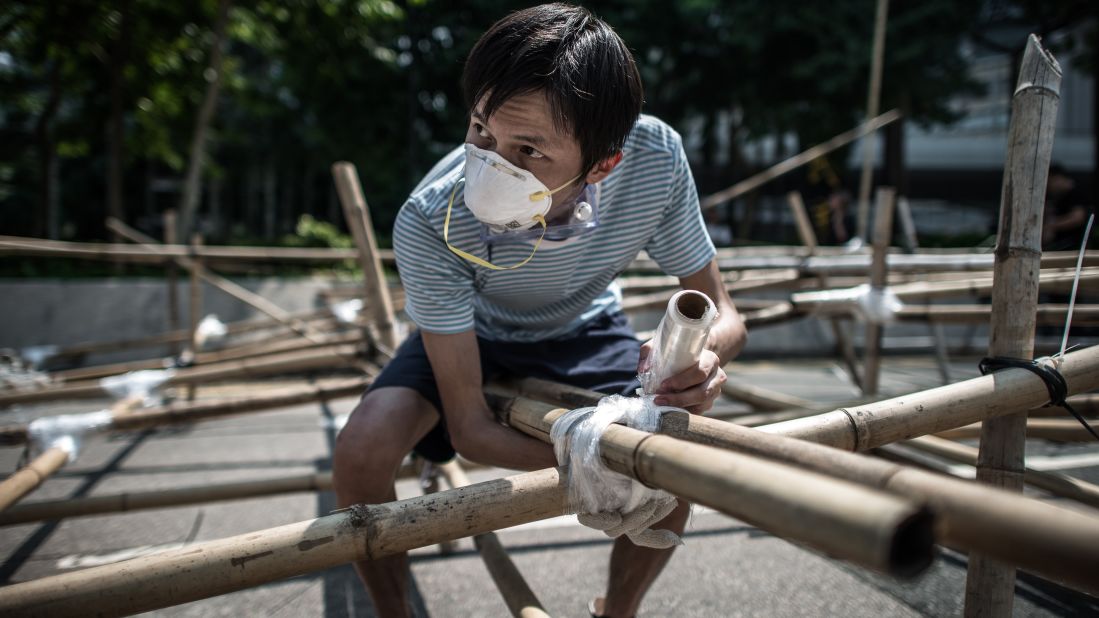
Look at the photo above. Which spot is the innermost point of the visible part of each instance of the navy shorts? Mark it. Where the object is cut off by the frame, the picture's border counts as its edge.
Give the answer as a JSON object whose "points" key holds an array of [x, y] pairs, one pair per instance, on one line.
{"points": [[602, 357]]}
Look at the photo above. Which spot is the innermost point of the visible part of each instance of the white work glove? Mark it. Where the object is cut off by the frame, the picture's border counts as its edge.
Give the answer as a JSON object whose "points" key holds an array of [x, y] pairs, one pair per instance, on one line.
{"points": [[606, 500], [636, 524]]}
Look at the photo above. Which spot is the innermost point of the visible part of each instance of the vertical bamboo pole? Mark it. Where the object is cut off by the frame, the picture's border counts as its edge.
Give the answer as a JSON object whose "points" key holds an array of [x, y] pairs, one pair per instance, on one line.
{"points": [[990, 585], [195, 306], [911, 243], [883, 233], [30, 476], [520, 599], [809, 238], [358, 221], [873, 99], [171, 274]]}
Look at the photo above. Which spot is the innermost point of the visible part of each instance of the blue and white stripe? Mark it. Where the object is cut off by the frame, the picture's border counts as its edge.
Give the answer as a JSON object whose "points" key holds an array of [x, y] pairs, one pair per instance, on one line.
{"points": [[649, 202]]}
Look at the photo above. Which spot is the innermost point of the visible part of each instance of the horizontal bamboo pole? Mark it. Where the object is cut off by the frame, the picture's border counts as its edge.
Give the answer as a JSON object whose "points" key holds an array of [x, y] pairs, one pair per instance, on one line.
{"points": [[518, 596], [858, 264], [325, 357], [1054, 429], [1086, 405], [1048, 314], [361, 532], [17, 245], [191, 412], [1061, 485], [30, 476], [858, 428], [764, 399], [179, 496]]}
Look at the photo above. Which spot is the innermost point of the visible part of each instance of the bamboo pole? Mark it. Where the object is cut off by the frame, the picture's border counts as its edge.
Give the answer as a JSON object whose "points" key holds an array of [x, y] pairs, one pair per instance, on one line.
{"points": [[1061, 485], [163, 254], [361, 532], [873, 98], [808, 237], [796, 161], [990, 585], [883, 235], [376, 290], [178, 496], [195, 311], [764, 399], [1056, 543], [1054, 429], [325, 357], [30, 476], [171, 274], [518, 596], [1053, 314]]}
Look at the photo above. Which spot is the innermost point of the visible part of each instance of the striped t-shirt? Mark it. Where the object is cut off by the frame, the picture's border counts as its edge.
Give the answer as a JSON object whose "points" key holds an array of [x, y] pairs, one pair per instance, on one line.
{"points": [[648, 201]]}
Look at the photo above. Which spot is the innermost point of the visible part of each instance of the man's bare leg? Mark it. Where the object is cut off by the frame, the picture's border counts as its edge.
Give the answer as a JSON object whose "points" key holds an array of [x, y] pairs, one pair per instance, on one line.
{"points": [[633, 569], [382, 429]]}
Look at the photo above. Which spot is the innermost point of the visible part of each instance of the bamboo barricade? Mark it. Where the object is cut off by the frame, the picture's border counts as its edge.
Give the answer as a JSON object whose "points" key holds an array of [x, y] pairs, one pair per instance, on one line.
{"points": [[376, 290], [190, 412], [195, 310], [764, 399], [990, 585], [325, 357], [518, 596], [796, 161], [808, 238], [883, 234], [1061, 485], [1053, 429], [1045, 314], [873, 100], [30, 476], [214, 568], [171, 274]]}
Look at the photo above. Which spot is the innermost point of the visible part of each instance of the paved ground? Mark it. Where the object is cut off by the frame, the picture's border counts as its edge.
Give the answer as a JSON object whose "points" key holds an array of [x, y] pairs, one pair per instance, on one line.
{"points": [[727, 568]]}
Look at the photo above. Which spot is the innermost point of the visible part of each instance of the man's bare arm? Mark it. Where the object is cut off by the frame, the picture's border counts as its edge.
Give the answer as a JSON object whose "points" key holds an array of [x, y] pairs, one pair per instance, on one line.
{"points": [[474, 431]]}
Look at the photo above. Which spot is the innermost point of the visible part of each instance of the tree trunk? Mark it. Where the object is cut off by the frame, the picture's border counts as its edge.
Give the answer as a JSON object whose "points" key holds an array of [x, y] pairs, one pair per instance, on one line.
{"points": [[192, 188], [120, 52]]}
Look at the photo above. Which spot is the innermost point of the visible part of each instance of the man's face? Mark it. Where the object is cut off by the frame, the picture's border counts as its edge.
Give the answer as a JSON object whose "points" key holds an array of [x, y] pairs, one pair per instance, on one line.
{"points": [[523, 133]]}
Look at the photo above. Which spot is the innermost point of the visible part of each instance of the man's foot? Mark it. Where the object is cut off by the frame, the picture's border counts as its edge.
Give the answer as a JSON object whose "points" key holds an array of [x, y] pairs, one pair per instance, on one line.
{"points": [[595, 607]]}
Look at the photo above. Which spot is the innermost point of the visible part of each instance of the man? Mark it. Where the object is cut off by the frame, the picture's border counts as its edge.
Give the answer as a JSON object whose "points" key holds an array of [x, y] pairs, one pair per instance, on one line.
{"points": [[1066, 212], [508, 251]]}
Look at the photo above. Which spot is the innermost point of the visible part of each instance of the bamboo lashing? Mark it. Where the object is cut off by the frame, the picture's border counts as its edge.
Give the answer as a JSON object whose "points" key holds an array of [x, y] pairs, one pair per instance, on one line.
{"points": [[518, 596], [990, 585]]}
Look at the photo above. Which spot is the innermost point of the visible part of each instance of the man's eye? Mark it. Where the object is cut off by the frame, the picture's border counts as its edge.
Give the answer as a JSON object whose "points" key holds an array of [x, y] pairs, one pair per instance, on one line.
{"points": [[531, 152], [481, 131]]}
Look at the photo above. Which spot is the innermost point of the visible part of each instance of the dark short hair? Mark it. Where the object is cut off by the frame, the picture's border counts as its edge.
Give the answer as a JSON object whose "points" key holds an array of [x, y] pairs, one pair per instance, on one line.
{"points": [[587, 73]]}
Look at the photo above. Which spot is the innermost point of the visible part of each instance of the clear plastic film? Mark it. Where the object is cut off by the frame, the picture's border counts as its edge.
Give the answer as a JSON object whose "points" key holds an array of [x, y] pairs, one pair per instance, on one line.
{"points": [[66, 431], [679, 338], [136, 383], [348, 311], [874, 305], [210, 333], [604, 499]]}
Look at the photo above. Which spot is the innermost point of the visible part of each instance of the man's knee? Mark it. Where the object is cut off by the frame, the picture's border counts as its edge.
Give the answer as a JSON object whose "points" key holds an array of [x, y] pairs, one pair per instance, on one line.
{"points": [[381, 430]]}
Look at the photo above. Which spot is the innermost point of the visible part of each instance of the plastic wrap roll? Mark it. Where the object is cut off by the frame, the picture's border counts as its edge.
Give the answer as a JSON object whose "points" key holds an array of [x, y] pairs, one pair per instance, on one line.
{"points": [[680, 337]]}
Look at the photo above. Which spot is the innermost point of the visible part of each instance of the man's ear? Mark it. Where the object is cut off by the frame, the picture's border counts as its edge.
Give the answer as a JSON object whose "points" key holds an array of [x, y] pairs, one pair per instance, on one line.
{"points": [[602, 169]]}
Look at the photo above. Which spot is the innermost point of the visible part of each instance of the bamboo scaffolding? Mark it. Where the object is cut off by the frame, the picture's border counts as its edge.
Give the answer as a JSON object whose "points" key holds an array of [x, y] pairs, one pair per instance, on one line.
{"points": [[325, 357], [236, 291], [195, 309], [164, 254], [883, 235], [1046, 314], [762, 398], [283, 552], [738, 285], [191, 412], [873, 100], [376, 290], [1056, 543], [796, 161], [30, 476], [518, 596], [990, 584], [1061, 485]]}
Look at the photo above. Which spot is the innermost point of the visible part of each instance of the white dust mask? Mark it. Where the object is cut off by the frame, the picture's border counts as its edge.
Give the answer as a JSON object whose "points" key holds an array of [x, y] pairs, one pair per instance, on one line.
{"points": [[503, 197]]}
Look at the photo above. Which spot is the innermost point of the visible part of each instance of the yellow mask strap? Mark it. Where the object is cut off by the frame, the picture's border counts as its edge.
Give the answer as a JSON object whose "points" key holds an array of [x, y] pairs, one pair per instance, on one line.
{"points": [[473, 258], [538, 196]]}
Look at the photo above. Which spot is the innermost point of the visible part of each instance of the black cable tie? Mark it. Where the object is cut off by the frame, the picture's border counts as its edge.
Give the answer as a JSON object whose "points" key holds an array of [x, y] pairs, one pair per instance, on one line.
{"points": [[1051, 377]]}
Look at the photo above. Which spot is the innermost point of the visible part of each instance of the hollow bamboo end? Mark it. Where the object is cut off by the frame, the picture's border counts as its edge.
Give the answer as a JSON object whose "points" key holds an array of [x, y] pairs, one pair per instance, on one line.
{"points": [[913, 546]]}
